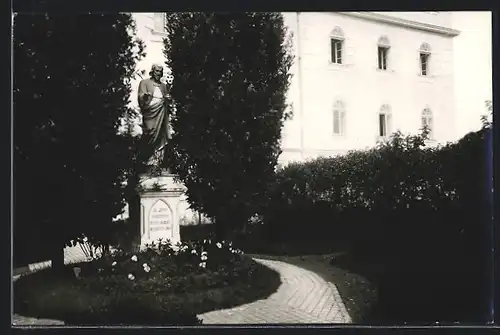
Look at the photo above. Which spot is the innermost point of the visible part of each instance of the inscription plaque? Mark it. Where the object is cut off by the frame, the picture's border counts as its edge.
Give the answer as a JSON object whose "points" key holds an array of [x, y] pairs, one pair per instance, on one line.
{"points": [[160, 221]]}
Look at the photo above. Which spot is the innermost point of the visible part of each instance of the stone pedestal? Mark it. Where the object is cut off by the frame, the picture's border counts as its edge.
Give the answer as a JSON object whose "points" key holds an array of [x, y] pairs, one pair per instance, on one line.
{"points": [[161, 200]]}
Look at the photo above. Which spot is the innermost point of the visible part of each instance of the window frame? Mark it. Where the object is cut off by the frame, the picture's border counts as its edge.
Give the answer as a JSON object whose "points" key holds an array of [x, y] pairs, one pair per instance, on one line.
{"points": [[156, 18], [337, 46], [338, 114], [424, 64], [426, 117], [424, 56], [383, 47], [386, 113], [382, 57], [336, 51]]}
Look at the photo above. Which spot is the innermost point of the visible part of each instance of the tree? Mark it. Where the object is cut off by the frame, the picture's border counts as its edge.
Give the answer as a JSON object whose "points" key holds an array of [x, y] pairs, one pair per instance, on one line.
{"points": [[486, 118], [72, 77], [231, 78]]}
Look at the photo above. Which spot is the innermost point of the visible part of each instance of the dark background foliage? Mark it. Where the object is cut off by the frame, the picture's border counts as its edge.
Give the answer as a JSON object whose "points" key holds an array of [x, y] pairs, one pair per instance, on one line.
{"points": [[72, 76]]}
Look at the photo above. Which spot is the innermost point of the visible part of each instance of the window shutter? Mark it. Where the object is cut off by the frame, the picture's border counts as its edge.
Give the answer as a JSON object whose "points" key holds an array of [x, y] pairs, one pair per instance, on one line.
{"points": [[332, 49], [388, 120], [419, 67], [336, 126], [381, 124], [349, 52], [343, 122], [433, 66], [430, 124]]}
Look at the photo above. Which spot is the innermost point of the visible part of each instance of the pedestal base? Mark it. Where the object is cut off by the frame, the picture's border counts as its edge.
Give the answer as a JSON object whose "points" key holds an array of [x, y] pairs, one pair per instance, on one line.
{"points": [[160, 207]]}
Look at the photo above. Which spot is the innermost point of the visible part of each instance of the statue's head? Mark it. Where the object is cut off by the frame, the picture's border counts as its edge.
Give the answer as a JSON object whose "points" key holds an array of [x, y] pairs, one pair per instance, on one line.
{"points": [[156, 72]]}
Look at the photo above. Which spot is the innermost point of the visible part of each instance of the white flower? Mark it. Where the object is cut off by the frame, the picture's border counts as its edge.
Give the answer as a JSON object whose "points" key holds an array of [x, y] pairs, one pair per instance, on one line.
{"points": [[145, 265], [134, 258], [114, 263], [204, 258], [147, 269], [85, 239], [219, 245], [203, 253], [204, 241], [193, 251], [131, 276], [203, 265]]}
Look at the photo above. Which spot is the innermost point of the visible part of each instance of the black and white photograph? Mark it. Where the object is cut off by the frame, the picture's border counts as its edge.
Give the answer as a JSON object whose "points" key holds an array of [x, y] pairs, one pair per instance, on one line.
{"points": [[252, 168]]}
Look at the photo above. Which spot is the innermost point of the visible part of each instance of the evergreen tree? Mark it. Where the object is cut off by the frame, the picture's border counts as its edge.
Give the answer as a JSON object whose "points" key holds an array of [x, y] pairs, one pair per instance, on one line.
{"points": [[231, 75], [72, 75]]}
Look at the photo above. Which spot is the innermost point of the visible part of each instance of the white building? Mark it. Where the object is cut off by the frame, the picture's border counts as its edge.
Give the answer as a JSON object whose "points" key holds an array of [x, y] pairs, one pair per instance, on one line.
{"points": [[473, 68], [357, 77]]}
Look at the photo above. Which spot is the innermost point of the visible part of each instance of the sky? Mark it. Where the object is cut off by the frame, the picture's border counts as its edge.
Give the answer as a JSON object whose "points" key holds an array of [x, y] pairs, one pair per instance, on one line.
{"points": [[473, 68]]}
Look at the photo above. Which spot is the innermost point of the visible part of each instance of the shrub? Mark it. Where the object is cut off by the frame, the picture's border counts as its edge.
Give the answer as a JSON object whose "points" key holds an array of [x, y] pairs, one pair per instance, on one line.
{"points": [[162, 285]]}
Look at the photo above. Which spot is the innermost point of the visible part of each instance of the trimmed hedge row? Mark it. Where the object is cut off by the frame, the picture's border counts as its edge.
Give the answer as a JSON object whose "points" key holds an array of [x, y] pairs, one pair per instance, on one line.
{"points": [[422, 212], [399, 176]]}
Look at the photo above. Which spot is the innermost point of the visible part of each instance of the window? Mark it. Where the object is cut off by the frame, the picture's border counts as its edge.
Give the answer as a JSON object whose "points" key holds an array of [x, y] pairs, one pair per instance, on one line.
{"points": [[425, 53], [338, 118], [424, 64], [383, 52], [382, 58], [336, 45], [384, 121], [427, 121], [159, 22], [336, 51]]}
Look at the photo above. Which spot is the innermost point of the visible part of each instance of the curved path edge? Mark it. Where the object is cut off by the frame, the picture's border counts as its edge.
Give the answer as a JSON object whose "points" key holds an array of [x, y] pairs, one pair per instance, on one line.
{"points": [[303, 297]]}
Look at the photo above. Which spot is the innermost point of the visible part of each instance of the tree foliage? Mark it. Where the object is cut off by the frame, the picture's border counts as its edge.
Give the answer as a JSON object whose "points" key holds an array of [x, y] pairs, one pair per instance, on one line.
{"points": [[231, 78], [486, 118], [72, 78]]}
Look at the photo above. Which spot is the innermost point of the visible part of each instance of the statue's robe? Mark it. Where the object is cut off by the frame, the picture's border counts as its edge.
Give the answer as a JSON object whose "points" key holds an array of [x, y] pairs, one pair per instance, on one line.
{"points": [[155, 116]]}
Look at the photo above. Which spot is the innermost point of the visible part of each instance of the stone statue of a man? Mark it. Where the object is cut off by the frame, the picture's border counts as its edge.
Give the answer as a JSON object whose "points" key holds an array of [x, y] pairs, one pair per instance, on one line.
{"points": [[154, 102]]}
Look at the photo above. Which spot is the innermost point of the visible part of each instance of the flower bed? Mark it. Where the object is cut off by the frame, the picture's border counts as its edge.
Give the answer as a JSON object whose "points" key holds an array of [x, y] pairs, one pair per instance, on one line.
{"points": [[161, 285]]}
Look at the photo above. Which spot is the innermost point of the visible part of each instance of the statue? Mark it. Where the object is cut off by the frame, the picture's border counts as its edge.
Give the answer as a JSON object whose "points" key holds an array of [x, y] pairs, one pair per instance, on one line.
{"points": [[154, 103]]}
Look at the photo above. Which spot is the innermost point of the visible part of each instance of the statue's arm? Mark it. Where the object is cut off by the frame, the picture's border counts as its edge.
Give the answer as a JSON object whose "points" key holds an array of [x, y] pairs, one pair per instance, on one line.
{"points": [[142, 94]]}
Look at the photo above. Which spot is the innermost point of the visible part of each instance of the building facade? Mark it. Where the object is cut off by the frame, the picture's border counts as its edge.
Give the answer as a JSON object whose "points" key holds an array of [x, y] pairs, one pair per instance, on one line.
{"points": [[357, 77]]}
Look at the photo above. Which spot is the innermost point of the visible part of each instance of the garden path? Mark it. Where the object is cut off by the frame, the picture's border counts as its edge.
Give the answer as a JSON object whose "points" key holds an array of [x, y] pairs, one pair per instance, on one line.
{"points": [[303, 297]]}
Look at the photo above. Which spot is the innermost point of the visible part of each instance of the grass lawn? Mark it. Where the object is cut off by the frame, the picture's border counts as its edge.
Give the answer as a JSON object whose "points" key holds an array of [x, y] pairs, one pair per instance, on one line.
{"points": [[357, 293]]}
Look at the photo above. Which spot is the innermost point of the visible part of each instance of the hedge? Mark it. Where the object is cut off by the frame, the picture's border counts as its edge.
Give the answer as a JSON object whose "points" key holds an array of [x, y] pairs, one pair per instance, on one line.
{"points": [[424, 212]]}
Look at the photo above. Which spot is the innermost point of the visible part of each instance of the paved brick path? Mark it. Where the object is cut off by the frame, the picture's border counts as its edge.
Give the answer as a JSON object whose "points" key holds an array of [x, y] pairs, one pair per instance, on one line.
{"points": [[303, 297]]}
